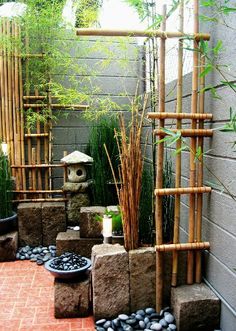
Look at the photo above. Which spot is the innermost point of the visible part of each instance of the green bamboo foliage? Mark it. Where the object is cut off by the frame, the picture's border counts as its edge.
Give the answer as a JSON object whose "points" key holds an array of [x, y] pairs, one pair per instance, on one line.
{"points": [[5, 187]]}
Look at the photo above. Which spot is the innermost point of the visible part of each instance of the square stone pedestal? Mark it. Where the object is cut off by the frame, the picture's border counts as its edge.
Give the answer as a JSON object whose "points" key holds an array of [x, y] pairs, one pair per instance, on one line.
{"points": [[195, 307], [8, 246], [89, 226], [72, 297], [70, 241]]}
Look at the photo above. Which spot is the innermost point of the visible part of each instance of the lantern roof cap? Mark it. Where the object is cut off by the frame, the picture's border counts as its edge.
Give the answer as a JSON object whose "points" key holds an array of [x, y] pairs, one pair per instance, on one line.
{"points": [[77, 157]]}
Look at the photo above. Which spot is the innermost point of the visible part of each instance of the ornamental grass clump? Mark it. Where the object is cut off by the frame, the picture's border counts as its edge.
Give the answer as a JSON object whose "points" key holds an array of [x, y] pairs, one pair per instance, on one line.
{"points": [[129, 142], [5, 187]]}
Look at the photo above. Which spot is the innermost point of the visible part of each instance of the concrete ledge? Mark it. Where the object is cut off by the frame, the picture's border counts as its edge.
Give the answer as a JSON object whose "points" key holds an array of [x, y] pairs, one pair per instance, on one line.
{"points": [[72, 297], [195, 307], [8, 246], [70, 241]]}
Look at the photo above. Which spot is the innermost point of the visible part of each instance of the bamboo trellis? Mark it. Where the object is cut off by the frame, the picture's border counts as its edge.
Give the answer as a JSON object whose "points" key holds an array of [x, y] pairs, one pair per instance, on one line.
{"points": [[30, 151], [196, 133]]}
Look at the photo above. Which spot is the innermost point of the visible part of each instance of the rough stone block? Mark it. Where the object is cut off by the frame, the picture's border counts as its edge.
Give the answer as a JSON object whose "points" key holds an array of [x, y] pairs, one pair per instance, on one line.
{"points": [[195, 307], [77, 200], [70, 241], [53, 221], [110, 279], [72, 297], [89, 226], [142, 268], [8, 246], [30, 224]]}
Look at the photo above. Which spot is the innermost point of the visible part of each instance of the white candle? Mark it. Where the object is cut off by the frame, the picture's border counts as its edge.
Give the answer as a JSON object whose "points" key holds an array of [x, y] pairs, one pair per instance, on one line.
{"points": [[107, 226]]}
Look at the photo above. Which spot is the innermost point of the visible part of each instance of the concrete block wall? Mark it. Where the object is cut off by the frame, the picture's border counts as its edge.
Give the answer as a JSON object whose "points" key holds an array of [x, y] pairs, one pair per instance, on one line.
{"points": [[113, 68]]}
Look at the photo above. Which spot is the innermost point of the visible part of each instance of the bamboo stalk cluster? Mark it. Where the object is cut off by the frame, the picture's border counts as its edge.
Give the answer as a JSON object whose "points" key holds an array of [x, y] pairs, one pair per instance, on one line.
{"points": [[129, 184]]}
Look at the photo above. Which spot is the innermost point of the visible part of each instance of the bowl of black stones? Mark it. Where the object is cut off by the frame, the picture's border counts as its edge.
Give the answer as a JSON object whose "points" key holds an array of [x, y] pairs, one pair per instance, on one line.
{"points": [[67, 265]]}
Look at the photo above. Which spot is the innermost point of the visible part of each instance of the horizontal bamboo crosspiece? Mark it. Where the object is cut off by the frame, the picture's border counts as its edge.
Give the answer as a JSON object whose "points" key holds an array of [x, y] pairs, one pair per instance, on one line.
{"points": [[38, 166], [54, 105], [183, 247], [141, 33], [179, 116], [183, 190], [187, 132]]}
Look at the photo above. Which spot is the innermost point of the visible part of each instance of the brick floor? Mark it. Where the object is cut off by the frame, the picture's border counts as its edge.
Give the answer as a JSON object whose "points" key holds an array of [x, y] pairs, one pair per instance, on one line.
{"points": [[27, 300]]}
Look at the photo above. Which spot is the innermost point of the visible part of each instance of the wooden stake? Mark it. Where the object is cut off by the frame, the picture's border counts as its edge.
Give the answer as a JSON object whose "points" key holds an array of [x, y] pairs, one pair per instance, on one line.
{"points": [[178, 146], [194, 107], [159, 170], [200, 176]]}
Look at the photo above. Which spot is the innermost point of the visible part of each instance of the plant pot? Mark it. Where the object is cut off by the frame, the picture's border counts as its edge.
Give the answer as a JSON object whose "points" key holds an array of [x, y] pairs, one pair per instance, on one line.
{"points": [[118, 240], [8, 224]]}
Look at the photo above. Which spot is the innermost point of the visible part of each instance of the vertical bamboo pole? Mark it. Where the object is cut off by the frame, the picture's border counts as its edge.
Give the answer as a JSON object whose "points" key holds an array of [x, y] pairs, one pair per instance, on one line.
{"points": [[29, 142], [38, 151], [5, 77], [159, 178], [34, 169], [21, 113], [65, 172], [50, 133], [200, 176], [3, 118], [178, 146], [9, 88], [192, 179], [18, 154]]}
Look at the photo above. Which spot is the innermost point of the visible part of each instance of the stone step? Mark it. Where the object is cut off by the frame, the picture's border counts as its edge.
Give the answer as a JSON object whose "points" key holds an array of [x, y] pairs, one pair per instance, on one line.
{"points": [[89, 226], [70, 241]]}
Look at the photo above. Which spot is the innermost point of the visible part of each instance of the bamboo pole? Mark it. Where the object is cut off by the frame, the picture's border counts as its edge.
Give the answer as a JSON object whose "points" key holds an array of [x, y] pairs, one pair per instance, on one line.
{"points": [[38, 191], [18, 156], [55, 105], [50, 133], [3, 117], [10, 124], [41, 200], [178, 146], [27, 166], [182, 190], [198, 276], [183, 247], [179, 116], [159, 171], [65, 153], [194, 106], [5, 77], [187, 133], [38, 153], [33, 169], [141, 33], [21, 115], [37, 135]]}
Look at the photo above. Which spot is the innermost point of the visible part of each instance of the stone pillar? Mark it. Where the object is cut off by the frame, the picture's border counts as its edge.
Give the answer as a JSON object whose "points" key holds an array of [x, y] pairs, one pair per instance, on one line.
{"points": [[72, 297], [142, 270], [53, 221], [195, 308], [89, 226], [30, 224], [110, 281], [8, 246]]}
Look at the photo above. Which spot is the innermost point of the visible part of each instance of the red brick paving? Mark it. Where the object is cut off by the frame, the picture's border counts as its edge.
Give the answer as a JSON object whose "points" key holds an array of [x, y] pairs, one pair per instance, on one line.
{"points": [[27, 300]]}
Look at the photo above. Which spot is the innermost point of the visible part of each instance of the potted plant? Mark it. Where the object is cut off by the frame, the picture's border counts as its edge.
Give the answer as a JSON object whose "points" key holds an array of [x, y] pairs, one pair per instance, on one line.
{"points": [[7, 215]]}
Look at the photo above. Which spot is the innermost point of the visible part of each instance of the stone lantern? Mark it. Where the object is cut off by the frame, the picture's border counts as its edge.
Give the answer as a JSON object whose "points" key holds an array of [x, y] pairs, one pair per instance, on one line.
{"points": [[77, 185], [76, 162]]}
